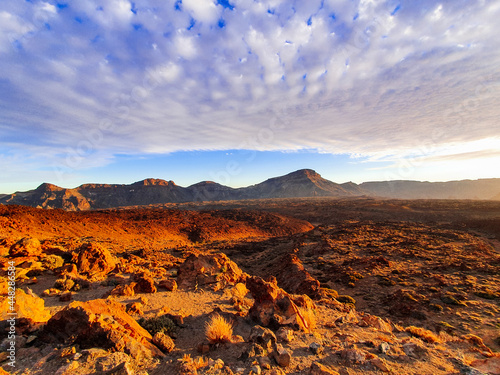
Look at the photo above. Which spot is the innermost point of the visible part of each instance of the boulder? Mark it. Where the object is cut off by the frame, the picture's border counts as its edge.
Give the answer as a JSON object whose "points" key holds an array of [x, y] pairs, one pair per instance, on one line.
{"points": [[293, 277], [26, 247], [212, 270], [100, 323], [144, 283], [273, 307], [168, 284], [164, 342], [27, 306], [94, 261]]}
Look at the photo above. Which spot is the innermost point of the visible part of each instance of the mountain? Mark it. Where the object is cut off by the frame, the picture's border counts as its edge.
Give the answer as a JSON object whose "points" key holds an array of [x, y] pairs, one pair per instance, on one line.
{"points": [[465, 189], [299, 184]]}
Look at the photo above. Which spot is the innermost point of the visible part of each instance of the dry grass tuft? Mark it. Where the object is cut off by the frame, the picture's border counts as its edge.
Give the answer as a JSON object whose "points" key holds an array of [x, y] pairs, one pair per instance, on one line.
{"points": [[422, 333], [218, 330]]}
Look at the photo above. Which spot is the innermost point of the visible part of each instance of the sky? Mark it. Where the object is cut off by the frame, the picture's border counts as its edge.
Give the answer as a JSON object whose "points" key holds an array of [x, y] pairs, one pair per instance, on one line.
{"points": [[238, 91]]}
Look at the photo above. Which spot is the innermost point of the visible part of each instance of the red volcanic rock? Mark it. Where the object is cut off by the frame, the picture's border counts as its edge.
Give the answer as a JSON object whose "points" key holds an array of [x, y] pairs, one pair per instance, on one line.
{"points": [[94, 261], [273, 306], [100, 323], [26, 247], [168, 284], [292, 276], [144, 283], [214, 270]]}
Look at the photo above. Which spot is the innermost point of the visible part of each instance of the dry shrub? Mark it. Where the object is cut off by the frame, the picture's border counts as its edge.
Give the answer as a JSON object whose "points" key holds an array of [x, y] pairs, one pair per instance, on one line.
{"points": [[422, 333], [218, 330]]}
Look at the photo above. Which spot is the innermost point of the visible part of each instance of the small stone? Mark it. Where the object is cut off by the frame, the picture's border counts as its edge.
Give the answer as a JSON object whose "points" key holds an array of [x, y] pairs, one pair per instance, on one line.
{"points": [[384, 348], [235, 339], [30, 339], [204, 348], [282, 356], [66, 297], [164, 342], [316, 348], [144, 300], [112, 361], [168, 284]]}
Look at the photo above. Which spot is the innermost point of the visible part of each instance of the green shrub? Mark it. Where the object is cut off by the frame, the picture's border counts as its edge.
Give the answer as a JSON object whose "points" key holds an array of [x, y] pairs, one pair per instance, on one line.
{"points": [[159, 324]]}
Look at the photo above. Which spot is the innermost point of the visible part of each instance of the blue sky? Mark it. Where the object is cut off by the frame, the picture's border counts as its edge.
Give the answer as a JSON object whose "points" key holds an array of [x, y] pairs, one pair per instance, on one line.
{"points": [[238, 91]]}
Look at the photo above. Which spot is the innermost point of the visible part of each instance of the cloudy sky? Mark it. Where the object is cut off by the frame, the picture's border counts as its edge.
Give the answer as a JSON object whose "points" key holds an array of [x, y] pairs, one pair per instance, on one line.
{"points": [[237, 91]]}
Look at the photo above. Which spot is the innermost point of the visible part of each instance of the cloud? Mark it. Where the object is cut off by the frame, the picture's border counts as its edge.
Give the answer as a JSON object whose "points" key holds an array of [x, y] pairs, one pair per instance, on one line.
{"points": [[379, 79]]}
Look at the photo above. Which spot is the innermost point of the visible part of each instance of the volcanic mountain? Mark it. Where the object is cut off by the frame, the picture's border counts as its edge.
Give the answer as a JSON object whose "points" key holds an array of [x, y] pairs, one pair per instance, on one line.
{"points": [[299, 184]]}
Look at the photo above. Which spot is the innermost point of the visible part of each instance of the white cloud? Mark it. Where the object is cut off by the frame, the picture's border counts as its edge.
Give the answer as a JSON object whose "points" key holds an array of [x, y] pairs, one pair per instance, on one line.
{"points": [[357, 77]]}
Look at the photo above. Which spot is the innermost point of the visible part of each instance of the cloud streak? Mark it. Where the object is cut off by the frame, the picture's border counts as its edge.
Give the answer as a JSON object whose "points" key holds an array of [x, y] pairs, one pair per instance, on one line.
{"points": [[376, 79]]}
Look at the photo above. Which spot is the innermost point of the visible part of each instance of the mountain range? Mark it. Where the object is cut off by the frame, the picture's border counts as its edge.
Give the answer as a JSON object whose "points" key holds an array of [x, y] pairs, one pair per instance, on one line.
{"points": [[299, 184]]}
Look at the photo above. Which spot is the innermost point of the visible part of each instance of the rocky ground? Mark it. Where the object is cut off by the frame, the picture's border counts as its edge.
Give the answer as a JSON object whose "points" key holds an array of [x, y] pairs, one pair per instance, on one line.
{"points": [[308, 286]]}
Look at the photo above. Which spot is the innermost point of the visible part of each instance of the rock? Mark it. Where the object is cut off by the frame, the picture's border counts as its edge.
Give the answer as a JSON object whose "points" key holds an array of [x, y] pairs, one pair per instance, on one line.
{"points": [[319, 369], [316, 348], [204, 348], [27, 306], [64, 284], [376, 322], [380, 364], [134, 308], [51, 292], [275, 307], [51, 261], [168, 284], [415, 349], [144, 284], [384, 348], [253, 350], [164, 342], [285, 335], [111, 361], [123, 290], [65, 297], [211, 270], [262, 336], [26, 247], [124, 368], [102, 323], [293, 278], [489, 365], [281, 356], [94, 261], [353, 355]]}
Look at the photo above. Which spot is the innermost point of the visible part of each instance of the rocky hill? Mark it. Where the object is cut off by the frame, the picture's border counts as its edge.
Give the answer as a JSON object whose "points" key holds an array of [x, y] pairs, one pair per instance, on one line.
{"points": [[465, 189], [299, 184]]}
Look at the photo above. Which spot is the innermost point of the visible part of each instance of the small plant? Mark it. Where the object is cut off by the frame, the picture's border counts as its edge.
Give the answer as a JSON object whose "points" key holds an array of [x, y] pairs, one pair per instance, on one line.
{"points": [[161, 324], [422, 333], [346, 299], [218, 330]]}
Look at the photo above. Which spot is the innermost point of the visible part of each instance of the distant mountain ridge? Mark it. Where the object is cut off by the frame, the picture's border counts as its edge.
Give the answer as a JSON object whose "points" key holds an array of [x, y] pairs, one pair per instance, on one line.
{"points": [[299, 184]]}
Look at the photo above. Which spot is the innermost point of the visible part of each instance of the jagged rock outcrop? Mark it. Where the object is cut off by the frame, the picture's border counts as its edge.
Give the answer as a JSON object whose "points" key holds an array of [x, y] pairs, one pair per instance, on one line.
{"points": [[94, 261], [214, 271], [100, 323]]}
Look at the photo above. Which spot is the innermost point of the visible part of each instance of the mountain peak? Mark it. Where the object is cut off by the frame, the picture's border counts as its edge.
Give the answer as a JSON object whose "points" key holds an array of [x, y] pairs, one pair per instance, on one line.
{"points": [[48, 187], [153, 182]]}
